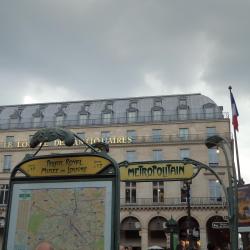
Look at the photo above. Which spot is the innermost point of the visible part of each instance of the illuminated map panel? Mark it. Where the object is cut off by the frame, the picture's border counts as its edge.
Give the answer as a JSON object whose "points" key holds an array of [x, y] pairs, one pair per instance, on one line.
{"points": [[66, 215]]}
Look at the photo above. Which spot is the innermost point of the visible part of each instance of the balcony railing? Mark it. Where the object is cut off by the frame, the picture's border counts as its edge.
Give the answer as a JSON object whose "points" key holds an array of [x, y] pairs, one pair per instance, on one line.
{"points": [[176, 202], [97, 120], [175, 138]]}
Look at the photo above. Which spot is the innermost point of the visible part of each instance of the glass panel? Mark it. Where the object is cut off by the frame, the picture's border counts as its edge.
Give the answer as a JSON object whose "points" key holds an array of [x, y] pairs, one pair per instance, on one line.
{"points": [[132, 116], [182, 114], [209, 112], [37, 122], [215, 190], [156, 134], [7, 162], [131, 134], [106, 118], [105, 135], [59, 120], [10, 141], [157, 115], [213, 157], [83, 119], [183, 133], [211, 131]]}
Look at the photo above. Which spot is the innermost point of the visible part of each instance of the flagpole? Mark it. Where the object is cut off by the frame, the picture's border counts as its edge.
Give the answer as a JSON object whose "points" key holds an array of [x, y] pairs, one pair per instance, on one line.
{"points": [[241, 182]]}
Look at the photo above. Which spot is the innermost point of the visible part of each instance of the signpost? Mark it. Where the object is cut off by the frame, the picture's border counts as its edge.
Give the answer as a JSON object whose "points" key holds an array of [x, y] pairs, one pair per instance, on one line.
{"points": [[66, 201], [156, 171]]}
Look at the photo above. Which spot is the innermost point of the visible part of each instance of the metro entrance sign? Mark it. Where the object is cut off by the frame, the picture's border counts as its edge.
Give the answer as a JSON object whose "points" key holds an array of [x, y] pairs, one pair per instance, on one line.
{"points": [[159, 170], [66, 201]]}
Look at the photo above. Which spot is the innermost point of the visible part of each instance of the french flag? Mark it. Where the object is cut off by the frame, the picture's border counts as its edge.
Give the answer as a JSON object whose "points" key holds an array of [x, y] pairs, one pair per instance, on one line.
{"points": [[235, 113]]}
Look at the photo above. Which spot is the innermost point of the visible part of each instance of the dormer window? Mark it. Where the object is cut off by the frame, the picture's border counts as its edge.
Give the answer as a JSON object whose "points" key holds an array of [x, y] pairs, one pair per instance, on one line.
{"points": [[37, 121], [59, 120], [209, 110], [106, 117], [182, 109], [182, 113], [132, 116], [83, 119], [183, 101], [38, 116], [15, 117], [157, 115]]}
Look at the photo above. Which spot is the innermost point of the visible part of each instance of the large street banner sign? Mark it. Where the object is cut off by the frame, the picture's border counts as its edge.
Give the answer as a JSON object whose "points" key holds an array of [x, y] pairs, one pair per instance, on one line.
{"points": [[64, 201], [244, 208]]}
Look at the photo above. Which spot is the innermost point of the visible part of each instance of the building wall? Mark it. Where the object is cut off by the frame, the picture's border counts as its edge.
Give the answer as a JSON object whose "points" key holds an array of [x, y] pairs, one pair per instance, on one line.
{"points": [[170, 144]]}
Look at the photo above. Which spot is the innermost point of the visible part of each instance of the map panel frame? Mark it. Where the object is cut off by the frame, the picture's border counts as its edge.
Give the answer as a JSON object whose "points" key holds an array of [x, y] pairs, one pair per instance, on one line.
{"points": [[26, 187]]}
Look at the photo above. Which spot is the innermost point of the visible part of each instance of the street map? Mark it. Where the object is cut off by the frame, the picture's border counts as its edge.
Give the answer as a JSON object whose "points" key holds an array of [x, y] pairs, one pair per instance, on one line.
{"points": [[66, 218]]}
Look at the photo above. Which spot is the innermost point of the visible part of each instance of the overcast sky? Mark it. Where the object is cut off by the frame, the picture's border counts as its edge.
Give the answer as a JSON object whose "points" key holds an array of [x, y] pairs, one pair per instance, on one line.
{"points": [[61, 50]]}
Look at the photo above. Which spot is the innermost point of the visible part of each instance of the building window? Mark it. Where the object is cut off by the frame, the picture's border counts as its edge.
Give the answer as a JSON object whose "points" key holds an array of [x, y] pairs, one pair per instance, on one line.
{"points": [[209, 112], [184, 192], [215, 190], [184, 153], [157, 115], [213, 160], [9, 142], [211, 131], [130, 192], [156, 135], [14, 122], [182, 114], [158, 191], [7, 163], [132, 135], [4, 192], [105, 135], [59, 120], [157, 155], [183, 133], [37, 122], [106, 118], [131, 156], [132, 116], [83, 119], [81, 135]]}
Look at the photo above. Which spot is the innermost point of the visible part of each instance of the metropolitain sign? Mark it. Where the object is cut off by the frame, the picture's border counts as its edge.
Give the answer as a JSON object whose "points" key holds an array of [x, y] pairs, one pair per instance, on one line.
{"points": [[159, 170]]}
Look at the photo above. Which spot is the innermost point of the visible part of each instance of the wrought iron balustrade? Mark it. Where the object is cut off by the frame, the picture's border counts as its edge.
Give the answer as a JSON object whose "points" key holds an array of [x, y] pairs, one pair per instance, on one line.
{"points": [[176, 202], [97, 120]]}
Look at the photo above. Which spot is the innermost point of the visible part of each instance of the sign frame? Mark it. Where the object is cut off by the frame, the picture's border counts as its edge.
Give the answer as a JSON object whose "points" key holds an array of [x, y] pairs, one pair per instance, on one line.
{"points": [[164, 167], [108, 173]]}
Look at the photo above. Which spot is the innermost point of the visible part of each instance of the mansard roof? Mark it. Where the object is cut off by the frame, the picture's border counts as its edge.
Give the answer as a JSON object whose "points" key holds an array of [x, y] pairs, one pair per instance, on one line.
{"points": [[71, 110]]}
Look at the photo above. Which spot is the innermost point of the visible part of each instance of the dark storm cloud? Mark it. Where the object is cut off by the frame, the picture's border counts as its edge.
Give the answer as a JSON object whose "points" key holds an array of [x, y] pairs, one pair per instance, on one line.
{"points": [[113, 44], [53, 50]]}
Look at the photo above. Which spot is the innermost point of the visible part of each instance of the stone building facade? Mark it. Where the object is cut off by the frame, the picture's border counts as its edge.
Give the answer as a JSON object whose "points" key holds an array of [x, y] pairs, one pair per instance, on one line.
{"points": [[150, 128]]}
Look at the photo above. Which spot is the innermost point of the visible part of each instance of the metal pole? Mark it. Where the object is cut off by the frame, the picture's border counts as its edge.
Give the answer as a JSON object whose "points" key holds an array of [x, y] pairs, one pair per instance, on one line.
{"points": [[190, 231], [233, 195]]}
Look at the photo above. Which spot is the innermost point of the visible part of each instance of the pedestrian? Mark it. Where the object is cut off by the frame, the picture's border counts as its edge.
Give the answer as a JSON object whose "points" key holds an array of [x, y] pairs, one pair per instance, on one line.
{"points": [[181, 245], [44, 246]]}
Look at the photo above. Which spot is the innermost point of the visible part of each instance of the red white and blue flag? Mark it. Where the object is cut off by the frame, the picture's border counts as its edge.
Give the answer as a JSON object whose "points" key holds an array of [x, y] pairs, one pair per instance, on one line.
{"points": [[235, 113]]}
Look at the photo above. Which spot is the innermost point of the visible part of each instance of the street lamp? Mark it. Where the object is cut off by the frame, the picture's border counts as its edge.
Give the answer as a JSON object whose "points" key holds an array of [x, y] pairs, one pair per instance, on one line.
{"points": [[220, 142]]}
